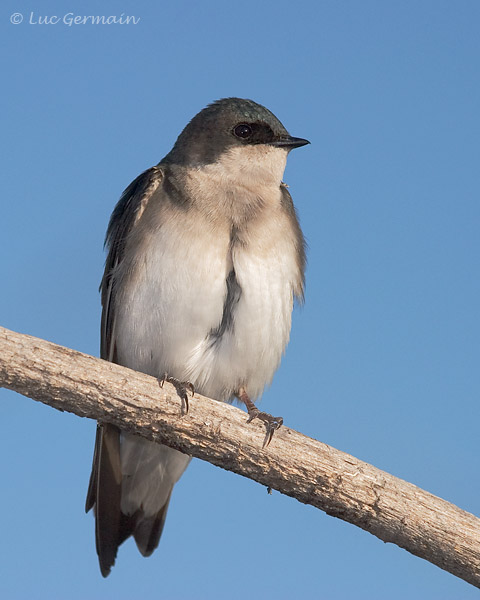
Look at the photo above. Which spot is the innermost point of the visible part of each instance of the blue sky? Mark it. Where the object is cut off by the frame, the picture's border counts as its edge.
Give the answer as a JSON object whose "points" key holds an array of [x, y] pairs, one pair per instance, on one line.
{"points": [[383, 359]]}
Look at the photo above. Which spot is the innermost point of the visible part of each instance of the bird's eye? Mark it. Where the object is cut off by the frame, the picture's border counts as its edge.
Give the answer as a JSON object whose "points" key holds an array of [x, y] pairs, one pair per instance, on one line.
{"points": [[243, 131]]}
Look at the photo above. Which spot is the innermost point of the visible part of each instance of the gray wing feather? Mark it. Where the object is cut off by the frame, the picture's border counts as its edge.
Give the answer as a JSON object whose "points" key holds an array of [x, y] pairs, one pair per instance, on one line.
{"points": [[124, 217], [301, 245]]}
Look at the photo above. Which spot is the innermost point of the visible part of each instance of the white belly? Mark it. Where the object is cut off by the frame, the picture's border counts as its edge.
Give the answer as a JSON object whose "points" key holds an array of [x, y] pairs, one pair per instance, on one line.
{"points": [[249, 352], [175, 298]]}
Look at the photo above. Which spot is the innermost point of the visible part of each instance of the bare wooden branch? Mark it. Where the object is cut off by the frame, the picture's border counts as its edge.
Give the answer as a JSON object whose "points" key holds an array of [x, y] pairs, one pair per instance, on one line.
{"points": [[310, 471]]}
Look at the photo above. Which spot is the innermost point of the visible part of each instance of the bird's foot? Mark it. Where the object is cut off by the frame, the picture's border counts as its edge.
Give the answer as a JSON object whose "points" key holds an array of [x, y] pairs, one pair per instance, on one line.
{"points": [[182, 387], [271, 423]]}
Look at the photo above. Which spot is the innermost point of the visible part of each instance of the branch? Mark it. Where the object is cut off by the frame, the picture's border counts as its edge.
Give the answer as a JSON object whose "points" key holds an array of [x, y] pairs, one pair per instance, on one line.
{"points": [[310, 471]]}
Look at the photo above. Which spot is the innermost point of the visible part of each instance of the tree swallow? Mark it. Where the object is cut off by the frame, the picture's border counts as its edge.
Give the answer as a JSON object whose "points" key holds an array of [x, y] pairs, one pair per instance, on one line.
{"points": [[205, 259]]}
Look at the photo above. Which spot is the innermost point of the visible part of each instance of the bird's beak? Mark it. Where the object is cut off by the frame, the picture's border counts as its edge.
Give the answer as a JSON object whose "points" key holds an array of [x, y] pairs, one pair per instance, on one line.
{"points": [[289, 142]]}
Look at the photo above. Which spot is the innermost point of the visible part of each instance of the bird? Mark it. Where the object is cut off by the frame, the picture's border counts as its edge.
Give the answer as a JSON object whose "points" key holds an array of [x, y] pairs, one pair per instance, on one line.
{"points": [[205, 258]]}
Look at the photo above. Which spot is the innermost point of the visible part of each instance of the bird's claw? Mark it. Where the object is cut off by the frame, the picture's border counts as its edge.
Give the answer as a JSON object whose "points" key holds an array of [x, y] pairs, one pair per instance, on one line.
{"points": [[271, 423], [182, 387]]}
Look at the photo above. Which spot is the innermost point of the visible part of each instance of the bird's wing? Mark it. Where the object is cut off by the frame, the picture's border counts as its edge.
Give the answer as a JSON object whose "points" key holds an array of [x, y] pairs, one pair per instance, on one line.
{"points": [[124, 218], [301, 257], [104, 489]]}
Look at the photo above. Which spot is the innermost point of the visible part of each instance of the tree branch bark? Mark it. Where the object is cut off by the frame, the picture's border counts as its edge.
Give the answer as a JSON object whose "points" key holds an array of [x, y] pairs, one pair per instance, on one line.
{"points": [[310, 471]]}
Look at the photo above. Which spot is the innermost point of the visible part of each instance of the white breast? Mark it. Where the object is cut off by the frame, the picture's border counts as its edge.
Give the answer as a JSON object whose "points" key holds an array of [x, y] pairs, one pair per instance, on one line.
{"points": [[173, 299], [249, 353]]}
